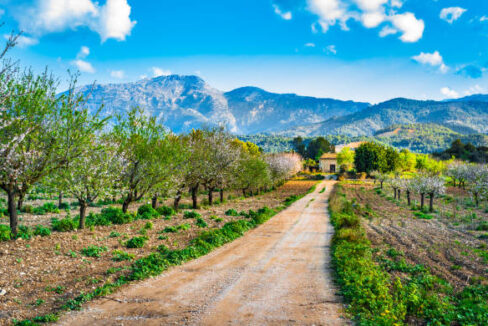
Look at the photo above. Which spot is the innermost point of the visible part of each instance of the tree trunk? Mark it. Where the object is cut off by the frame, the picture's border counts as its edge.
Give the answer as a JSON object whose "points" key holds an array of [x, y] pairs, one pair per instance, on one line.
{"points": [[394, 193], [476, 199], [431, 202], [12, 211], [194, 197], [408, 197], [154, 201], [20, 202], [399, 194], [210, 196], [82, 214], [60, 199], [244, 192], [176, 202], [127, 201], [422, 200], [381, 184], [221, 196], [454, 181]]}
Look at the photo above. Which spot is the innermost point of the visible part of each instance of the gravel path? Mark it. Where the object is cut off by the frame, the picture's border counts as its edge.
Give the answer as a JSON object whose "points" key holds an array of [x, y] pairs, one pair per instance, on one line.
{"points": [[277, 274]]}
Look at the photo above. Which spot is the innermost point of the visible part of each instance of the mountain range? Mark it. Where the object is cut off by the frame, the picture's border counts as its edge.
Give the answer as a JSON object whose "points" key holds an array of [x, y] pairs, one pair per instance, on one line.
{"points": [[185, 102]]}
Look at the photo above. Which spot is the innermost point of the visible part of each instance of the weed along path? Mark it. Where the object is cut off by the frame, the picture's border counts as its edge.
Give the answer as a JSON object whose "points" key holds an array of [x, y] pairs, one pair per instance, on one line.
{"points": [[276, 274]]}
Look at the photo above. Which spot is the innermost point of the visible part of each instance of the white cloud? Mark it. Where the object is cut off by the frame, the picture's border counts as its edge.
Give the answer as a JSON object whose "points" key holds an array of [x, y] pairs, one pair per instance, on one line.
{"points": [[432, 59], [119, 74], [449, 93], [371, 13], [476, 89], [411, 27], [372, 19], [483, 18], [451, 14], [111, 20], [160, 72], [310, 45], [115, 20], [23, 41], [387, 30], [83, 66], [331, 49], [143, 76], [83, 53], [286, 15]]}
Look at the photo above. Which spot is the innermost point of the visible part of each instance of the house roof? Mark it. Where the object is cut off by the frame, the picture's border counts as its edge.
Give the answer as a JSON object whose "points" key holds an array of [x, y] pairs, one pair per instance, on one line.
{"points": [[328, 156]]}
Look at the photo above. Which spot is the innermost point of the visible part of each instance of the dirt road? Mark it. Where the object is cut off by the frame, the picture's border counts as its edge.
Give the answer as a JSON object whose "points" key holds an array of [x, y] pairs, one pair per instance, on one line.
{"points": [[277, 274]]}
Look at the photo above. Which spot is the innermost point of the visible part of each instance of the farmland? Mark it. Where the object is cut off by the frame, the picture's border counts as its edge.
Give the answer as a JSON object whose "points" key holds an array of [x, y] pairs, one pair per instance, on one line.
{"points": [[435, 263], [41, 274]]}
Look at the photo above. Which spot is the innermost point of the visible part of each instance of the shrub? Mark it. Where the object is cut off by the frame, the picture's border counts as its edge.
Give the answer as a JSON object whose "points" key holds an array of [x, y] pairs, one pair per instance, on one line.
{"points": [[96, 219], [114, 234], [166, 211], [184, 226], [65, 206], [423, 216], [119, 255], [191, 214], [27, 209], [170, 229], [64, 225], [46, 208], [93, 251], [290, 200], [148, 226], [42, 231], [218, 219], [201, 223], [231, 212], [345, 220], [146, 212], [5, 234], [116, 215], [482, 227], [136, 242], [24, 232]]}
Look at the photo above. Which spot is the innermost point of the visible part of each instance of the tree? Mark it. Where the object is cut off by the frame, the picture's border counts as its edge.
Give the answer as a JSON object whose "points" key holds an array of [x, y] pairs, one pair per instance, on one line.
{"points": [[317, 147], [41, 132], [299, 146], [370, 157], [477, 177], [431, 185], [406, 161], [146, 154], [381, 177], [283, 166], [345, 159], [90, 176]]}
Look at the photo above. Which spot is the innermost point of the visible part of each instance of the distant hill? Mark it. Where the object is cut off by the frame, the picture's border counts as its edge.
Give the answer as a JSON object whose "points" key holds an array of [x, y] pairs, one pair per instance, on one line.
{"points": [[185, 102], [419, 138], [465, 117]]}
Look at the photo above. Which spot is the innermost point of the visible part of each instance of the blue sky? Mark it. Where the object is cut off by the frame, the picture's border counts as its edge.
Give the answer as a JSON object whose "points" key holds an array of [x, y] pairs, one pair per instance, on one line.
{"points": [[367, 50]]}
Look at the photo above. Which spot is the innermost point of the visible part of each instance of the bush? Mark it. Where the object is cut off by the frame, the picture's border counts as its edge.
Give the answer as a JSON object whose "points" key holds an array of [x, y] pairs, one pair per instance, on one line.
{"points": [[5, 234], [24, 232], [191, 214], [201, 223], [114, 234], [136, 242], [64, 225], [231, 212], [146, 212], [166, 211], [170, 229], [116, 215], [482, 227], [27, 209], [42, 231], [119, 255], [96, 219], [184, 226], [93, 251], [65, 206], [46, 208], [148, 226], [290, 200]]}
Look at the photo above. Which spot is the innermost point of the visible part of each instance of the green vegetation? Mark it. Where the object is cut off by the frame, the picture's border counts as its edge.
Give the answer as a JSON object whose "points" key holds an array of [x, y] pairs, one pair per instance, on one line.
{"points": [[466, 152], [191, 214], [231, 212], [136, 242], [385, 289], [93, 251], [46, 208], [200, 222], [119, 255]]}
